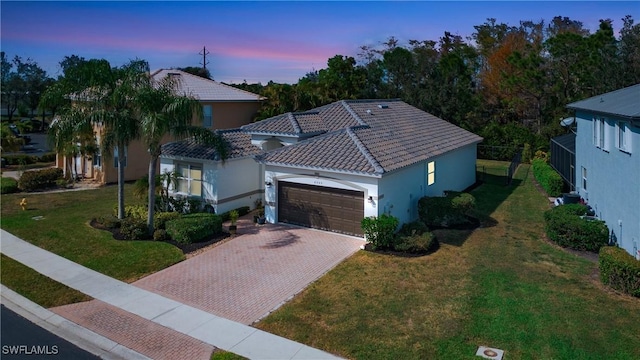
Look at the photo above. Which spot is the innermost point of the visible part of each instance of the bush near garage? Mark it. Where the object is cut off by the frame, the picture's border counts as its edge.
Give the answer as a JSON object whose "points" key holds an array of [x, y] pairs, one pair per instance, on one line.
{"points": [[194, 228], [380, 231], [446, 211], [548, 178], [160, 219], [134, 229], [39, 179], [244, 210], [619, 270], [8, 185], [565, 227]]}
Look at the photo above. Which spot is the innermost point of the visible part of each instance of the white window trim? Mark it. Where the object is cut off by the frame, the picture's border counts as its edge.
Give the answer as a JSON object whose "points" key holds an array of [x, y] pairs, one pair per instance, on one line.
{"points": [[584, 175], [189, 179], [623, 132]]}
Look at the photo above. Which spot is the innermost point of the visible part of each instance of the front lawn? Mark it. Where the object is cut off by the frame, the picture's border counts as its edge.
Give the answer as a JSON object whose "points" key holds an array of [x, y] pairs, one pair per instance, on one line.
{"points": [[64, 230], [501, 285]]}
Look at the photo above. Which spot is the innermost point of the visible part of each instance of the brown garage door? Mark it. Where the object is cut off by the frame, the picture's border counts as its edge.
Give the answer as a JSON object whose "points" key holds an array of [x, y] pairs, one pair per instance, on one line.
{"points": [[321, 208]]}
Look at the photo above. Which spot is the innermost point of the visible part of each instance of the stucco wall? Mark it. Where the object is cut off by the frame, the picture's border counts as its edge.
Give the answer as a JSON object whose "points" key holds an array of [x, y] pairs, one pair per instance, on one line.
{"points": [[239, 182], [231, 115], [401, 189], [612, 180]]}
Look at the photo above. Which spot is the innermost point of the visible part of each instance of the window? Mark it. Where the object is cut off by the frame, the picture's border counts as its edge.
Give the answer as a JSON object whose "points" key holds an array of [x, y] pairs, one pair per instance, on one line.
{"points": [[623, 140], [115, 157], [584, 179], [97, 159], [207, 116], [600, 133], [431, 173], [189, 179]]}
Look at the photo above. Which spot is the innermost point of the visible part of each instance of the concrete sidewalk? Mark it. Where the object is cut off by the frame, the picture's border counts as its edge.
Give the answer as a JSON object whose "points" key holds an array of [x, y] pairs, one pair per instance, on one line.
{"points": [[208, 328]]}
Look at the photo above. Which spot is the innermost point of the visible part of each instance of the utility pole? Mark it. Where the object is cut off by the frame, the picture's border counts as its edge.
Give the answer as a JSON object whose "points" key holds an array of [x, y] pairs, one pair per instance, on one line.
{"points": [[204, 54]]}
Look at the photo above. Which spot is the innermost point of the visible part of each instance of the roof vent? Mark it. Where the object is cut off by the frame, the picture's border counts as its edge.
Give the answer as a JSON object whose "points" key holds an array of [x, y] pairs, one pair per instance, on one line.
{"points": [[369, 111], [383, 106]]}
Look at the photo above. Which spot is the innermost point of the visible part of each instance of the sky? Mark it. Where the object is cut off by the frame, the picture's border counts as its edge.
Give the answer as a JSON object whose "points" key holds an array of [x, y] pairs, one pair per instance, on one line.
{"points": [[257, 41]]}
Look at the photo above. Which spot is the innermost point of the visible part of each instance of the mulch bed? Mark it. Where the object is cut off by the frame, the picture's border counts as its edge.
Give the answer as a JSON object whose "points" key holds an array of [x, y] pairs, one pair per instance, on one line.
{"points": [[187, 249]]}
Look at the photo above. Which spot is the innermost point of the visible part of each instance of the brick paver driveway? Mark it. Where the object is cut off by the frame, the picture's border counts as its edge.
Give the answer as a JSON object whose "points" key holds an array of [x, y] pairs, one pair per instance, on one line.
{"points": [[246, 278]]}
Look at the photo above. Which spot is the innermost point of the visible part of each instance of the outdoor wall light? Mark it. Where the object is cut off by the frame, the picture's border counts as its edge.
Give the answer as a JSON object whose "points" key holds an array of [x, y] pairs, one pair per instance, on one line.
{"points": [[268, 183], [370, 200]]}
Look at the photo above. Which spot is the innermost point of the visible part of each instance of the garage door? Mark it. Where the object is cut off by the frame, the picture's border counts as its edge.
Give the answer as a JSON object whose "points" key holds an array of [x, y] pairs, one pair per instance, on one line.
{"points": [[321, 208]]}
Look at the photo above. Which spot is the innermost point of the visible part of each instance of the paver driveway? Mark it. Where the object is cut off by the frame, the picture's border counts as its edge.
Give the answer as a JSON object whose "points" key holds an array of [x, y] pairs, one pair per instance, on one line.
{"points": [[246, 278]]}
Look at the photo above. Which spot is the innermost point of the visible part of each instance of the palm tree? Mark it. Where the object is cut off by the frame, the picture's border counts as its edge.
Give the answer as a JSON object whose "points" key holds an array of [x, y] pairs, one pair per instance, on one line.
{"points": [[165, 112]]}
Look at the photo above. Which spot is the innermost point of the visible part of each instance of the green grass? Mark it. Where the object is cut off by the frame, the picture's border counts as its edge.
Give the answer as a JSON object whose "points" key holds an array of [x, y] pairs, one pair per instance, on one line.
{"points": [[65, 230], [501, 285], [35, 286]]}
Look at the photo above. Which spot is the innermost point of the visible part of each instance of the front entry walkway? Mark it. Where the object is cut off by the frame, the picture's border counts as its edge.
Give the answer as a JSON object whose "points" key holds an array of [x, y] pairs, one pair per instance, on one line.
{"points": [[246, 278]]}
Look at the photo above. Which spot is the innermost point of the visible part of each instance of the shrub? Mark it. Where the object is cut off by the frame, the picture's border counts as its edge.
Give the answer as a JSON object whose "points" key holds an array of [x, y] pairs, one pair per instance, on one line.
{"points": [[565, 227], [8, 185], [193, 205], [194, 227], [233, 216], [446, 211], [548, 178], [380, 231], [413, 228], [40, 179], [110, 222], [134, 229], [526, 154], [417, 244], [48, 157], [620, 270], [21, 159], [160, 219], [161, 235], [135, 211], [226, 216]]}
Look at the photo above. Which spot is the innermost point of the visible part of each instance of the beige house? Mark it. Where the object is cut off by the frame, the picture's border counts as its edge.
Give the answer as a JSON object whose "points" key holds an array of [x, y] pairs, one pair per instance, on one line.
{"points": [[223, 107]]}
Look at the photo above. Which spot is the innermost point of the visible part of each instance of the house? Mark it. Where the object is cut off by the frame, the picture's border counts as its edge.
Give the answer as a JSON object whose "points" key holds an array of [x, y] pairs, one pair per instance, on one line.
{"points": [[225, 185], [223, 107], [607, 162], [330, 167]]}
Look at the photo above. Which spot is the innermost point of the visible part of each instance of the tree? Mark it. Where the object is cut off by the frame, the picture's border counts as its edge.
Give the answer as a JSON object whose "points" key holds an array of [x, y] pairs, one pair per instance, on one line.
{"points": [[197, 71], [164, 112], [630, 51]]}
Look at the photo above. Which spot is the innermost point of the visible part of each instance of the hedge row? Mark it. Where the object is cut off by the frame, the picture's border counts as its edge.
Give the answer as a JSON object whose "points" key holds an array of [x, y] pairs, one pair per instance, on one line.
{"points": [[446, 211], [620, 270], [548, 178], [39, 179], [8, 185], [23, 159], [193, 228], [565, 227], [225, 216]]}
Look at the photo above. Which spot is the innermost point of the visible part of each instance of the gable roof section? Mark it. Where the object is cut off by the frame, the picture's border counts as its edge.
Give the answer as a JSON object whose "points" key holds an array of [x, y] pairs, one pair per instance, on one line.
{"points": [[205, 89], [374, 140], [623, 102], [238, 141]]}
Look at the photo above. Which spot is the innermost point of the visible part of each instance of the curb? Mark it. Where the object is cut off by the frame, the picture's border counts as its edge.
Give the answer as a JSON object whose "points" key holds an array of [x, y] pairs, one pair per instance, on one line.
{"points": [[70, 331]]}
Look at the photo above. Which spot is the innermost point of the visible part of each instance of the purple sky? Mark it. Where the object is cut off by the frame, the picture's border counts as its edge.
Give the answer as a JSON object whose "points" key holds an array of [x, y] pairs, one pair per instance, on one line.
{"points": [[257, 41]]}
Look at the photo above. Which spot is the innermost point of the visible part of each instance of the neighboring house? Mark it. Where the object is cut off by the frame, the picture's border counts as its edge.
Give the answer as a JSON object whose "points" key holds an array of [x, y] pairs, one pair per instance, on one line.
{"points": [[607, 150], [223, 107], [372, 157], [236, 182]]}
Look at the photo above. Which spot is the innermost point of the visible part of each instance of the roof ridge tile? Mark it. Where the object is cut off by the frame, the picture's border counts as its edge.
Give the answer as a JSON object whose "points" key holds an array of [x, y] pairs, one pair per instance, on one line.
{"points": [[294, 123], [365, 151], [353, 113]]}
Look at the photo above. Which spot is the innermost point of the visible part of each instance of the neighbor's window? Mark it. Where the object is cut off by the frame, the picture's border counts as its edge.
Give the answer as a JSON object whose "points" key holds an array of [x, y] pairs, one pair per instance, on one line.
{"points": [[97, 159], [600, 133], [623, 138], [189, 179], [431, 173], [115, 157], [207, 116], [584, 178]]}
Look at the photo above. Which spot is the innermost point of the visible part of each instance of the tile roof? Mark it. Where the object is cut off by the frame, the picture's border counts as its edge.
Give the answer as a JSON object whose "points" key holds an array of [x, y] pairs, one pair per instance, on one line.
{"points": [[238, 141], [205, 89], [622, 102], [370, 137]]}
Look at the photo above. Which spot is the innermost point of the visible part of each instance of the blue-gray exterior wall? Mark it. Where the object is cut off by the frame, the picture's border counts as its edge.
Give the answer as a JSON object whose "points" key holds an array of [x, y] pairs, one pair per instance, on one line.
{"points": [[613, 179]]}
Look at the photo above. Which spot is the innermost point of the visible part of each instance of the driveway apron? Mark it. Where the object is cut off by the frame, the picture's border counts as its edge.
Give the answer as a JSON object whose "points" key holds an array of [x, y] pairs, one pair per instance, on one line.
{"points": [[248, 277]]}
